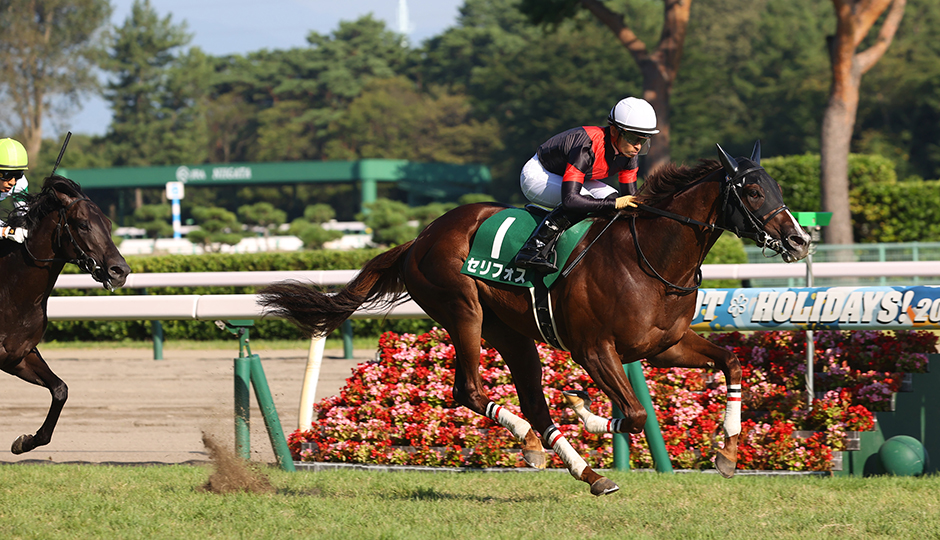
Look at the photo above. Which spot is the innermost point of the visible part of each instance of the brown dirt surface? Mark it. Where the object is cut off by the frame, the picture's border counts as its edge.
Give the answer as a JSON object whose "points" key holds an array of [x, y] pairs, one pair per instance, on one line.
{"points": [[126, 407]]}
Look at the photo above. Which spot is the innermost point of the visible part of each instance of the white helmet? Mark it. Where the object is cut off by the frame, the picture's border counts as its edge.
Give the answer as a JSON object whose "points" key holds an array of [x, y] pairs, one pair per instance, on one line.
{"points": [[634, 114]]}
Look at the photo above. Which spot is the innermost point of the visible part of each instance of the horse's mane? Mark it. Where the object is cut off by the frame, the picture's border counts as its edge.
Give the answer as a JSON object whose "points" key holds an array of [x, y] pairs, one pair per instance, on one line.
{"points": [[41, 204], [670, 178]]}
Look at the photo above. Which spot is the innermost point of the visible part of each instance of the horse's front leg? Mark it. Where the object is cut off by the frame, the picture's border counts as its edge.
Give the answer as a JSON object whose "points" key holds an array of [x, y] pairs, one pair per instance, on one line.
{"points": [[33, 369], [694, 351]]}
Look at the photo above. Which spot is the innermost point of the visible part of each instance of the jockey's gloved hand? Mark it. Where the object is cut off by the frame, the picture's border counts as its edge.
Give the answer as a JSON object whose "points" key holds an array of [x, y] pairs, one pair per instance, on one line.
{"points": [[622, 202], [15, 234]]}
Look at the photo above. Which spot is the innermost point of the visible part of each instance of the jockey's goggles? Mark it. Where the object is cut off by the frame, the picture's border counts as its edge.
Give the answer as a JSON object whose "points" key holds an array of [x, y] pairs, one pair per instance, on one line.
{"points": [[11, 175], [631, 137]]}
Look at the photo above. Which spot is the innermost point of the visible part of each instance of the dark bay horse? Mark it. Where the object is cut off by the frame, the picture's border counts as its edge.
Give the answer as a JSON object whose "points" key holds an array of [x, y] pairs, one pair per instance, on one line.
{"points": [[631, 297], [64, 226]]}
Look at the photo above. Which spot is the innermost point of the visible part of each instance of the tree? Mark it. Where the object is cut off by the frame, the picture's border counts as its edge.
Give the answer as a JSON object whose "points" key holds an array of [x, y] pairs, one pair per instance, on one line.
{"points": [[388, 221], [659, 66], [153, 90], [262, 214], [855, 19], [310, 227], [392, 119], [217, 227], [48, 54], [155, 219]]}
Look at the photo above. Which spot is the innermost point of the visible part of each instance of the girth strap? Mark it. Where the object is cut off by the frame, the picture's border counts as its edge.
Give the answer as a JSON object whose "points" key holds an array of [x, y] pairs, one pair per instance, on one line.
{"points": [[544, 318]]}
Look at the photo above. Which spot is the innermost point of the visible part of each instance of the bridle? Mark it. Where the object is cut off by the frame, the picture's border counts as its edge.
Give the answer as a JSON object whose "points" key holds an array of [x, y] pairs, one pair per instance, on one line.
{"points": [[734, 215], [83, 260]]}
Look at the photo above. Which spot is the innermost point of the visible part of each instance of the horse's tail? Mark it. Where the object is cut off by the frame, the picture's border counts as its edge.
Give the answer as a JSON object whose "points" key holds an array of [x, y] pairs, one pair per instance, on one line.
{"points": [[378, 284]]}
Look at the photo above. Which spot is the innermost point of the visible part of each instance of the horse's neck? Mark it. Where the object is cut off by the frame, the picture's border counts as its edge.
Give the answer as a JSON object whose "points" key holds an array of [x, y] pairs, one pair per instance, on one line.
{"points": [[41, 245], [674, 249]]}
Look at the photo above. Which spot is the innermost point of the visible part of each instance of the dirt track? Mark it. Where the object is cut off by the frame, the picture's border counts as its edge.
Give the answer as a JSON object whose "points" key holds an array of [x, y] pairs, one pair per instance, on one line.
{"points": [[126, 407]]}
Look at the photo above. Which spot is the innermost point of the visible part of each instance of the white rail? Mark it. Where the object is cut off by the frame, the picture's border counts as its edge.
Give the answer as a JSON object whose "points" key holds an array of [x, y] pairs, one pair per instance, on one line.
{"points": [[341, 277], [209, 307]]}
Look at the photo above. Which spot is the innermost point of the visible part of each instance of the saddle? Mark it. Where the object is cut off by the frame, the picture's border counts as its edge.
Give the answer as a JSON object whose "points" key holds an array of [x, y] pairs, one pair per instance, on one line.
{"points": [[494, 247]]}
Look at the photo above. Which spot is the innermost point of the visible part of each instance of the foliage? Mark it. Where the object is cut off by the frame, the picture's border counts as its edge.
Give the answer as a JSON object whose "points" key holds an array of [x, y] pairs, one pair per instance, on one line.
{"points": [[154, 218], [263, 215], [729, 249], [388, 222], [217, 226], [392, 119], [153, 91], [310, 227], [400, 409], [903, 212], [48, 55]]}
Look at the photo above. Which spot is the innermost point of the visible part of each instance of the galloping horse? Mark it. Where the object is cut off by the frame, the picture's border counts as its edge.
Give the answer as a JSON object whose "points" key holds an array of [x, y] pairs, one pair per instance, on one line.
{"points": [[629, 298], [64, 226]]}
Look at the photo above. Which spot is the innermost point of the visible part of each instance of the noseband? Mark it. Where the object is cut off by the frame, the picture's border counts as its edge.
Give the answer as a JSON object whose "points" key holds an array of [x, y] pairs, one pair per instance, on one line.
{"points": [[84, 261], [746, 223]]}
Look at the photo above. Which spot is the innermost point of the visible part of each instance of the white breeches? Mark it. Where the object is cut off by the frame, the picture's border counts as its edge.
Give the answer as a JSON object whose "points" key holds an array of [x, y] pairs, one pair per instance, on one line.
{"points": [[544, 188]]}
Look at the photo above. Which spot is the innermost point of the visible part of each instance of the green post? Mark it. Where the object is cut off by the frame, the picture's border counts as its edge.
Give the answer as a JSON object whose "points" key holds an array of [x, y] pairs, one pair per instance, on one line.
{"points": [[156, 329], [248, 371], [369, 193], [654, 437], [269, 413], [621, 445], [242, 407], [346, 330]]}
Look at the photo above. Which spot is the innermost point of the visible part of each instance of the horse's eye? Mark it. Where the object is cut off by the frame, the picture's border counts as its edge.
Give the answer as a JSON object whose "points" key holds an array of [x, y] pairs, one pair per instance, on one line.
{"points": [[754, 193], [83, 225]]}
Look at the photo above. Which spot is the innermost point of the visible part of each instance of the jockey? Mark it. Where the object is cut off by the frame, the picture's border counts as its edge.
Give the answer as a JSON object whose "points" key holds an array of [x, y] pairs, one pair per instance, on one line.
{"points": [[567, 173], [13, 183]]}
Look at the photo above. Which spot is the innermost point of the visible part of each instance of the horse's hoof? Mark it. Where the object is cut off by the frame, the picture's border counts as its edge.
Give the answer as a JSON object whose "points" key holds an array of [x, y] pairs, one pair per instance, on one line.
{"points": [[19, 445], [535, 458], [724, 465], [576, 397], [603, 486]]}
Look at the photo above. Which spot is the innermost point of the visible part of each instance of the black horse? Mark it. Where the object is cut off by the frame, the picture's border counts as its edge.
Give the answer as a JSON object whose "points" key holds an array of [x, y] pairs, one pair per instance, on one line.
{"points": [[64, 226]]}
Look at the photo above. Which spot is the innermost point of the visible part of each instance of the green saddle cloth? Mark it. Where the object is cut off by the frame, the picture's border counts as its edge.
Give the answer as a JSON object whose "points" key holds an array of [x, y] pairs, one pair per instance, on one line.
{"points": [[499, 239]]}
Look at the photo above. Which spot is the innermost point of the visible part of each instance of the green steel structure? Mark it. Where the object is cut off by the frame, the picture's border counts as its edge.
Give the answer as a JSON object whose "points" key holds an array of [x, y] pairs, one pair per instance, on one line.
{"points": [[422, 181]]}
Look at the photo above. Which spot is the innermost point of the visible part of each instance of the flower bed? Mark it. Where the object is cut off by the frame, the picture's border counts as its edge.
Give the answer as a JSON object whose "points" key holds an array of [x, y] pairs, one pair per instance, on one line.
{"points": [[399, 408]]}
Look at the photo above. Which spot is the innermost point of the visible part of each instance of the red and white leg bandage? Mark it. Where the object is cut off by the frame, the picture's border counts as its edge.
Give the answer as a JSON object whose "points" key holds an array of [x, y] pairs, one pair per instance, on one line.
{"points": [[513, 423], [554, 438], [733, 411]]}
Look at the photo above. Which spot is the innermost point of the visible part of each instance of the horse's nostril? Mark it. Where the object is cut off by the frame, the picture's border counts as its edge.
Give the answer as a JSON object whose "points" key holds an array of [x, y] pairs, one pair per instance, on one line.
{"points": [[797, 240]]}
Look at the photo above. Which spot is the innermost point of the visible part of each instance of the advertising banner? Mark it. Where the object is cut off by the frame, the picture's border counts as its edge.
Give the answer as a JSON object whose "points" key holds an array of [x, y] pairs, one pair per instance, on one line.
{"points": [[818, 308]]}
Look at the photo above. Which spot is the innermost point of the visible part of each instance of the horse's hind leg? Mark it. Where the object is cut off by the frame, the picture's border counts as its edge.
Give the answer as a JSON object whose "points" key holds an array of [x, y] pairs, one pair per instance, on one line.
{"points": [[521, 356], [469, 392], [32, 368], [694, 351]]}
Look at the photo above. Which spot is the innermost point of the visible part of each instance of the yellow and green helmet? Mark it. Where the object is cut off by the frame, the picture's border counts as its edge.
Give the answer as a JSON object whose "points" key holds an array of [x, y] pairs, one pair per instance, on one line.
{"points": [[12, 156]]}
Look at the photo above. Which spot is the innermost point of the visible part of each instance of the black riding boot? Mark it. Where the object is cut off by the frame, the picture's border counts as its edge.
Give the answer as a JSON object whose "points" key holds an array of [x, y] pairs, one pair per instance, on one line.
{"points": [[538, 253]]}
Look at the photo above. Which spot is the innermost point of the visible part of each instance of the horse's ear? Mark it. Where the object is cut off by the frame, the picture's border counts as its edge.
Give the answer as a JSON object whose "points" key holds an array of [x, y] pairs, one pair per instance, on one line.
{"points": [[728, 162], [755, 153], [64, 197]]}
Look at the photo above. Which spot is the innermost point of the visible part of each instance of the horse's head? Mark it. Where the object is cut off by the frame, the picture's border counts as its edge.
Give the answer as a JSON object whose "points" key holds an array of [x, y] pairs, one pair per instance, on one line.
{"points": [[83, 234], [753, 207]]}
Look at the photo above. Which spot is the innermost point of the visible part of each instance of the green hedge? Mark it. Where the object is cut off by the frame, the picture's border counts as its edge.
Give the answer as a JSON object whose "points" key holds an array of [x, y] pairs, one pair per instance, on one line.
{"points": [[883, 209]]}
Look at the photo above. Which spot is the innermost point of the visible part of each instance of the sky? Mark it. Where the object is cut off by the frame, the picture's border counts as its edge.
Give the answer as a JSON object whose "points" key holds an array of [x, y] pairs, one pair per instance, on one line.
{"points": [[222, 27]]}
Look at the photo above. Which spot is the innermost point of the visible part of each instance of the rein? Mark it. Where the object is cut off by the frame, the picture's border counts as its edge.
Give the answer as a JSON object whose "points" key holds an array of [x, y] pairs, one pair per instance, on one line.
{"points": [[730, 186], [83, 260]]}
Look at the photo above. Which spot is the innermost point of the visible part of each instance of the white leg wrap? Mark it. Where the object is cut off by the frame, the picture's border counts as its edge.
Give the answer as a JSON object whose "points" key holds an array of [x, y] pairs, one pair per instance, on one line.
{"points": [[733, 411], [513, 423], [565, 451], [597, 424]]}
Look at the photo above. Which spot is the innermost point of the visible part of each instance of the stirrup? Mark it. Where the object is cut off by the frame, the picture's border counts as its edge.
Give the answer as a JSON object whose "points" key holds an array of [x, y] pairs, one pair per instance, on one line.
{"points": [[535, 262]]}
